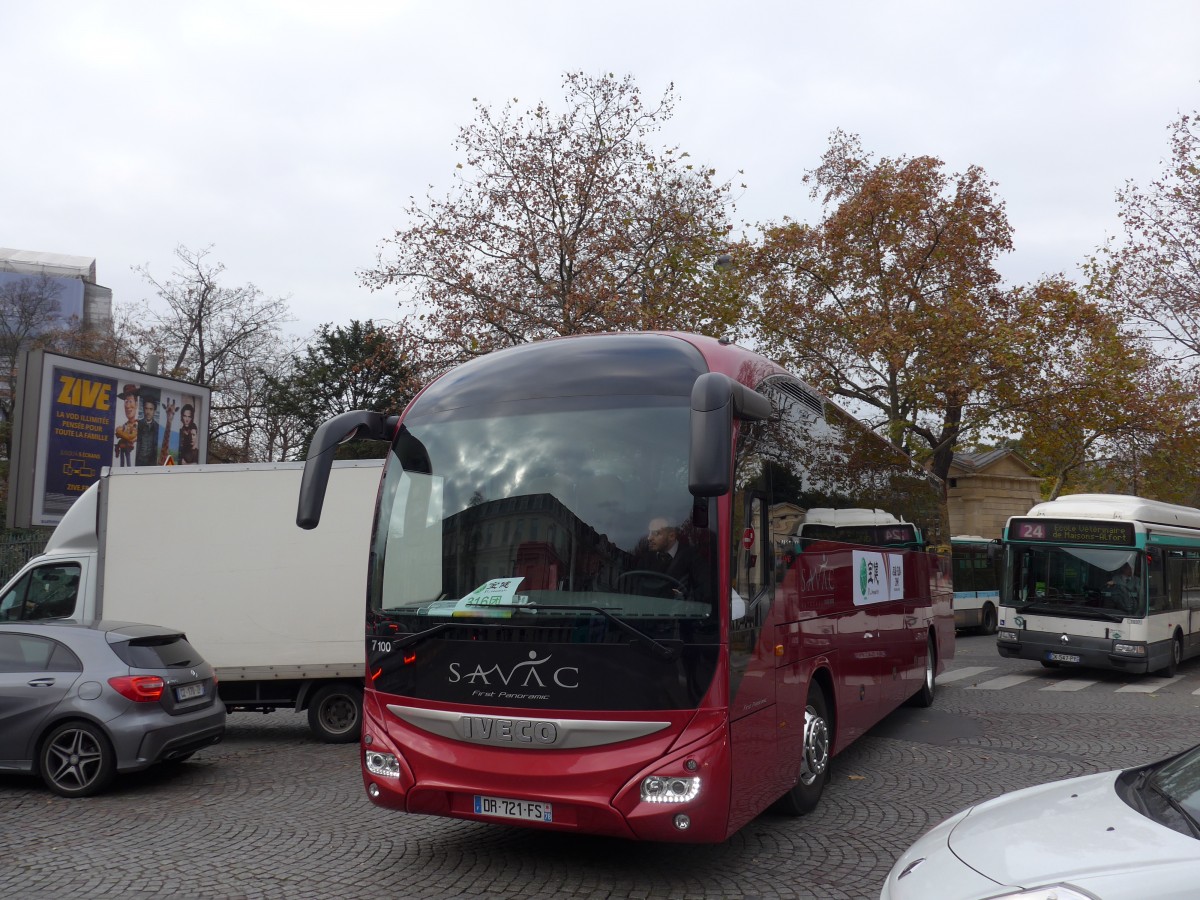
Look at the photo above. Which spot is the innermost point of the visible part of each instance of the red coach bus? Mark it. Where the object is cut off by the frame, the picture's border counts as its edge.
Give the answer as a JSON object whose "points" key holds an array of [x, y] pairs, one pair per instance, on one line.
{"points": [[590, 607]]}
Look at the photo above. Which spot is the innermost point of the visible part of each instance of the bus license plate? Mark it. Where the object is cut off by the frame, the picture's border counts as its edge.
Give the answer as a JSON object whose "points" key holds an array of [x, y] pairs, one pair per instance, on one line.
{"points": [[1064, 657], [526, 810], [188, 691]]}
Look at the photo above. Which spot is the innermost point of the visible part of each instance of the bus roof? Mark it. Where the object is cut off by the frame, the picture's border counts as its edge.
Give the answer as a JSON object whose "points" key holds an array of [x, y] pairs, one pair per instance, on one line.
{"points": [[1123, 507], [824, 515]]}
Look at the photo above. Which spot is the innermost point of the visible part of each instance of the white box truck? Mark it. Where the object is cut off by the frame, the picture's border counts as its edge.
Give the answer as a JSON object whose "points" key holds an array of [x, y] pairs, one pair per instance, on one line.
{"points": [[215, 552]]}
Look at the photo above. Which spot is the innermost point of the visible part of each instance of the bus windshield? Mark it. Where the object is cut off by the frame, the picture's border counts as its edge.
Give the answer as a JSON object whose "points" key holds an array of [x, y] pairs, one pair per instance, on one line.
{"points": [[488, 516], [1090, 582]]}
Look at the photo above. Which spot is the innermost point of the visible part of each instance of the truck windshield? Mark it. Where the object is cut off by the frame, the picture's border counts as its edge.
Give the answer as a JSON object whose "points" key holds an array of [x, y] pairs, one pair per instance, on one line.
{"points": [[575, 509], [1089, 582]]}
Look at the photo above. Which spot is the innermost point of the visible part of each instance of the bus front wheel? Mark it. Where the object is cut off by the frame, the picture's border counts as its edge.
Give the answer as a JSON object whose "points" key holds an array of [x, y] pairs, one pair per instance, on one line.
{"points": [[814, 763], [988, 625], [1168, 671]]}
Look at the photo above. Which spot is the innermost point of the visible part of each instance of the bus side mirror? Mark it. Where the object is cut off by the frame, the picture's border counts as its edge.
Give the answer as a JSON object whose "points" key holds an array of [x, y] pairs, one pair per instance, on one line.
{"points": [[716, 400], [356, 425]]}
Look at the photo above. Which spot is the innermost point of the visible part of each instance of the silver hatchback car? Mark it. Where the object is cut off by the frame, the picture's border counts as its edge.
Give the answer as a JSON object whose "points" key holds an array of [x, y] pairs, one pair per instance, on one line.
{"points": [[80, 703]]}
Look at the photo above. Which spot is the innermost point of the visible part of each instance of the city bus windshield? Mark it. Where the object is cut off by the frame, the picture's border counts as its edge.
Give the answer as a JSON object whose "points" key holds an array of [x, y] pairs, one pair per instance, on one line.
{"points": [[1088, 582], [575, 508]]}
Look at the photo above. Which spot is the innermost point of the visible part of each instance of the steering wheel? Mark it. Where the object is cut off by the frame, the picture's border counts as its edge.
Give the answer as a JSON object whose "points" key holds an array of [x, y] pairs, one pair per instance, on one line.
{"points": [[667, 580]]}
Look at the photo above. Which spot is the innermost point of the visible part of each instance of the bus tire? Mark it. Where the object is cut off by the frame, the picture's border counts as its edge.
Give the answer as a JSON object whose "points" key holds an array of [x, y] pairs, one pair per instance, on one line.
{"points": [[1168, 671], [924, 695], [814, 762], [988, 625], [335, 713]]}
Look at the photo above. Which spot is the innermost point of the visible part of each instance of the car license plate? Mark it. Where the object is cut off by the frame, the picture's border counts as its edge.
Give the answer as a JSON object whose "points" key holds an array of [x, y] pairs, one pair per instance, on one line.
{"points": [[1064, 657], [527, 810], [188, 691]]}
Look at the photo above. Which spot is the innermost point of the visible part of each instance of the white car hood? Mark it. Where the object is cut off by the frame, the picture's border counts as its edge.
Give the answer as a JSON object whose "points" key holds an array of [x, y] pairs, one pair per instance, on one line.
{"points": [[1073, 831]]}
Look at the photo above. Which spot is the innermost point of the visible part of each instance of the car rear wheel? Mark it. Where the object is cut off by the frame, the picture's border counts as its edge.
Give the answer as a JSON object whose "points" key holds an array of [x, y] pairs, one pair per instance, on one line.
{"points": [[77, 760], [335, 713]]}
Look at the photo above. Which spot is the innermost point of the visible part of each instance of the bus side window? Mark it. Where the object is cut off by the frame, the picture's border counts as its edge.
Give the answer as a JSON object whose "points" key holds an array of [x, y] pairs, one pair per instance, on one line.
{"points": [[1175, 563], [1191, 580], [1156, 572]]}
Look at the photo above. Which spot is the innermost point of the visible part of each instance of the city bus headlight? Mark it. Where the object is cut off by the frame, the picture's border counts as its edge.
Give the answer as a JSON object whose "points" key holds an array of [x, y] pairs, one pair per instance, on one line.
{"points": [[384, 764], [1129, 649], [1007, 635], [670, 788]]}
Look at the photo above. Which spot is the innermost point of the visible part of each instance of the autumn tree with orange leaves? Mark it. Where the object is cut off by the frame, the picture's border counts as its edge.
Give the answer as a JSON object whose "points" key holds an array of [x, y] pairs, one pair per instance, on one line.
{"points": [[892, 302], [564, 223]]}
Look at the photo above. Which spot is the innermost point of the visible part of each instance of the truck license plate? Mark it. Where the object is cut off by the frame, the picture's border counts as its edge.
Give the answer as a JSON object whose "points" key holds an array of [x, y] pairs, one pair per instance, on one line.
{"points": [[188, 691], [1064, 657], [527, 810]]}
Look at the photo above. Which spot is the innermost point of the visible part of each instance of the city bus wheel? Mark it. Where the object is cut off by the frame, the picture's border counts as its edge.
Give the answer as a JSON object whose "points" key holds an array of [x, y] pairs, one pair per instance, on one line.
{"points": [[989, 619], [1168, 670], [924, 695], [335, 713], [814, 763]]}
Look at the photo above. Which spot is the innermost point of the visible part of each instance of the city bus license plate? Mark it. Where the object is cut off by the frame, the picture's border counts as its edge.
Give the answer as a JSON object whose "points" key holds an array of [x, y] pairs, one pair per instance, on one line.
{"points": [[1064, 657], [527, 810], [188, 691]]}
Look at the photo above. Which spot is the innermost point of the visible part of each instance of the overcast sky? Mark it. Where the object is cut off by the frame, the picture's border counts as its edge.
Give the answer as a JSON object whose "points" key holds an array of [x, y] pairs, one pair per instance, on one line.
{"points": [[289, 135]]}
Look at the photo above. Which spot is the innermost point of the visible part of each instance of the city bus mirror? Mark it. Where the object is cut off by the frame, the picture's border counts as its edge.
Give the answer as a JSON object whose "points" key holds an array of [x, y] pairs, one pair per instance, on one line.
{"points": [[716, 399]]}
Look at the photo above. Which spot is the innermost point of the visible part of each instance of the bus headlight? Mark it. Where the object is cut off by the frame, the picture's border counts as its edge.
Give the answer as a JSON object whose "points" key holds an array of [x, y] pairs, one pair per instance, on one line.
{"points": [[1006, 635], [384, 764], [670, 788], [1130, 649]]}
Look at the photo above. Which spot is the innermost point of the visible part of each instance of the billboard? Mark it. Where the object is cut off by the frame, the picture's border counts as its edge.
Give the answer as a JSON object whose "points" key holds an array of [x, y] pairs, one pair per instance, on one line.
{"points": [[75, 417]]}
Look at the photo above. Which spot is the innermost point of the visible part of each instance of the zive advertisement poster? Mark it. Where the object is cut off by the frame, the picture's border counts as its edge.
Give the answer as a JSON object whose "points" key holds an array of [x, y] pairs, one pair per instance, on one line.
{"points": [[92, 416]]}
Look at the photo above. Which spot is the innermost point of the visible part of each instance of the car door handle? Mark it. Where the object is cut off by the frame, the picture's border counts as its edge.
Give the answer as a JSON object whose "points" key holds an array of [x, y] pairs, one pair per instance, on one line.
{"points": [[41, 682]]}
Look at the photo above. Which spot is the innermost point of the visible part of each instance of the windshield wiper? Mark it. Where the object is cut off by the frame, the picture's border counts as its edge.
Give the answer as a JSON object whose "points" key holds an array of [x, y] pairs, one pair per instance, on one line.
{"points": [[1179, 808], [662, 651], [1068, 609]]}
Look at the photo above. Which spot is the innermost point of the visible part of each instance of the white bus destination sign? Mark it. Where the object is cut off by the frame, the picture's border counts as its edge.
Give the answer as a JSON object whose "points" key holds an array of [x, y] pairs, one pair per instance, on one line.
{"points": [[1072, 531]]}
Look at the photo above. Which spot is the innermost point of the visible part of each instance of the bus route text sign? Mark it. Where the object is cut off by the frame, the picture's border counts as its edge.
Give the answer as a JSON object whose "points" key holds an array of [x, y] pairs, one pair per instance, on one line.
{"points": [[1072, 531]]}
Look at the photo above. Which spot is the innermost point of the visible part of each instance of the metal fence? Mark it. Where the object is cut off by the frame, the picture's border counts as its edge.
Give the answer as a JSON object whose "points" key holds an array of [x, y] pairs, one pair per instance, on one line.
{"points": [[17, 548]]}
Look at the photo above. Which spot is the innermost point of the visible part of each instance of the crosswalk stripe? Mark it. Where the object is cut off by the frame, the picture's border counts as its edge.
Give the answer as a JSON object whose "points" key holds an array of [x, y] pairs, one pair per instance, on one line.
{"points": [[1149, 686], [999, 684], [1075, 684], [959, 674]]}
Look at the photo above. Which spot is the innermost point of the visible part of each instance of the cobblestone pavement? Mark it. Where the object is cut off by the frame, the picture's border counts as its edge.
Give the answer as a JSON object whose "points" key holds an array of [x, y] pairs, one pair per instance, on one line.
{"points": [[271, 813]]}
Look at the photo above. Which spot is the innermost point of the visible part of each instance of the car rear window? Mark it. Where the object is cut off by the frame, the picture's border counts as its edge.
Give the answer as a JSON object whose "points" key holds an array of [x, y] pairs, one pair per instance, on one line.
{"points": [[159, 652]]}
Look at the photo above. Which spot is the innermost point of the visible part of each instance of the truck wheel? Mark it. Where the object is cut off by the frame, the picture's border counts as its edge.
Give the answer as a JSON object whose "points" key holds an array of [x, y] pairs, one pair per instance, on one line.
{"points": [[335, 713]]}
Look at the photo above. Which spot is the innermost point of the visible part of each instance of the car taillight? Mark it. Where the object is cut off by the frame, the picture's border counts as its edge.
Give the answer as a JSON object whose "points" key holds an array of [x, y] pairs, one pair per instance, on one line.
{"points": [[139, 688]]}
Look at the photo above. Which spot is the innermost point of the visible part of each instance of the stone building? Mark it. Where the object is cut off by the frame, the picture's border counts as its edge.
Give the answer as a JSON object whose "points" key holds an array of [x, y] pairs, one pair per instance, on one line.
{"points": [[984, 489]]}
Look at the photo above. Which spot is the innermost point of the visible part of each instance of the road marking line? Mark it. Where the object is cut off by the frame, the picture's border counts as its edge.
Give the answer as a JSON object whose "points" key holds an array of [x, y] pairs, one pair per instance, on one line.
{"points": [[958, 674], [1149, 686], [999, 684], [1075, 684]]}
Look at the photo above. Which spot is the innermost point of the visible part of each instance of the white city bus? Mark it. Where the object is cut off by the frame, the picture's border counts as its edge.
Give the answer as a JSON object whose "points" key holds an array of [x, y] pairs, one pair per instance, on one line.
{"points": [[976, 563], [1102, 580]]}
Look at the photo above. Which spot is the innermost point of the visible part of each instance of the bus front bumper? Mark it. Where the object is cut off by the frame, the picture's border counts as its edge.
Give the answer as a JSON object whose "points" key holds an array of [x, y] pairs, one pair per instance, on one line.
{"points": [[1057, 649]]}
